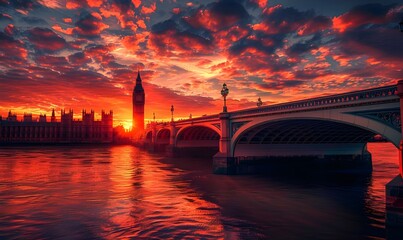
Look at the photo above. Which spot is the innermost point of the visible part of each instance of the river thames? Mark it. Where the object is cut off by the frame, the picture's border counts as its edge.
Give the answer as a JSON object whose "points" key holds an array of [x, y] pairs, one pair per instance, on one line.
{"points": [[122, 192]]}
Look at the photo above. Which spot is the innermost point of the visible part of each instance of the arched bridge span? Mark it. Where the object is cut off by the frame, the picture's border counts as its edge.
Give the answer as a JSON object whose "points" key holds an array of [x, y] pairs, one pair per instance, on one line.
{"points": [[336, 124]]}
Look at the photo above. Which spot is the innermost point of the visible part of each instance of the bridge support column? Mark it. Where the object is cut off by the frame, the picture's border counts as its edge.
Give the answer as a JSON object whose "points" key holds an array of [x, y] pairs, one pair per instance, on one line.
{"points": [[394, 189], [170, 149], [223, 161], [153, 138]]}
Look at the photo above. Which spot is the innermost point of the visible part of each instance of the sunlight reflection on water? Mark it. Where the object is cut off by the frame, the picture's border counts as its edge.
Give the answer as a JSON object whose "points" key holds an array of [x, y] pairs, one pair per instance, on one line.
{"points": [[122, 192]]}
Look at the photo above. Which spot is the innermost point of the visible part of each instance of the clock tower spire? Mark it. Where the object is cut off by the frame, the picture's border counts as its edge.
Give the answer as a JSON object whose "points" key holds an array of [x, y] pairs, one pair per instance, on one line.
{"points": [[138, 105]]}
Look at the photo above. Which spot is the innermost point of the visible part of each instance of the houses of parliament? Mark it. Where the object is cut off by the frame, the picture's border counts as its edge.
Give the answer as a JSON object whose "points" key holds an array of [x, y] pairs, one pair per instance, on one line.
{"points": [[66, 129]]}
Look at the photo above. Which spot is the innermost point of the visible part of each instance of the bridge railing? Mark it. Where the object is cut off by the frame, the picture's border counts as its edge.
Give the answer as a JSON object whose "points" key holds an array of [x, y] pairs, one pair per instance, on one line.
{"points": [[199, 119], [355, 96], [351, 97]]}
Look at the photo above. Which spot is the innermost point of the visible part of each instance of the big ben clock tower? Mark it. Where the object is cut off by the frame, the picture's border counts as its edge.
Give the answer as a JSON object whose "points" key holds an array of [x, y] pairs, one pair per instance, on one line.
{"points": [[138, 105]]}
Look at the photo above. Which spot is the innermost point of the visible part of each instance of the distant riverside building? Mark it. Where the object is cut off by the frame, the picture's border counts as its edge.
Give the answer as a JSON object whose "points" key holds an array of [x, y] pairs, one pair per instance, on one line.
{"points": [[138, 106], [67, 130]]}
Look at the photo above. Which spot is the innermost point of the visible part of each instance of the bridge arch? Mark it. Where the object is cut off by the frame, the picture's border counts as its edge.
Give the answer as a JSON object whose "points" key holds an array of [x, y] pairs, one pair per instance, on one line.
{"points": [[162, 136], [344, 129], [149, 137], [202, 135]]}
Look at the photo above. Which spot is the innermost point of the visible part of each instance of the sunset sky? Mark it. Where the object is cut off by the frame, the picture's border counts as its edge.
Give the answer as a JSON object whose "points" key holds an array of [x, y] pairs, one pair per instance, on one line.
{"points": [[84, 54]]}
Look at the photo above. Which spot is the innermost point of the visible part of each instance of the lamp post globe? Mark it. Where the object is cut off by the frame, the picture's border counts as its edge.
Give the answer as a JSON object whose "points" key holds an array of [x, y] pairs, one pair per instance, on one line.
{"points": [[224, 93], [259, 102], [172, 113]]}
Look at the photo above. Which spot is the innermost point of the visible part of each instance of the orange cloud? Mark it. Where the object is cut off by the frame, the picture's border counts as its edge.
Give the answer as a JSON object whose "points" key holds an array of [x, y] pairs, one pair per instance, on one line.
{"points": [[94, 3], [136, 3], [132, 42], [141, 24], [67, 20], [148, 10], [67, 31], [73, 4]]}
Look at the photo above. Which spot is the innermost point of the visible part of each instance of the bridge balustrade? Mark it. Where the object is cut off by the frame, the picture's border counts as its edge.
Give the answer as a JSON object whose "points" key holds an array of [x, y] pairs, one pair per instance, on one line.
{"points": [[380, 92]]}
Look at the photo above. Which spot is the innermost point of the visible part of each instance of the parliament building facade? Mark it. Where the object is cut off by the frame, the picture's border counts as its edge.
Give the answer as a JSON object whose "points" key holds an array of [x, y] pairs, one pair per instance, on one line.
{"points": [[65, 130]]}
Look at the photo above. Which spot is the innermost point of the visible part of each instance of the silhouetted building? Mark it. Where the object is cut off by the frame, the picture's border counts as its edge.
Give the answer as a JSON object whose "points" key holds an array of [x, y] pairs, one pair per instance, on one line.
{"points": [[138, 105], [67, 130]]}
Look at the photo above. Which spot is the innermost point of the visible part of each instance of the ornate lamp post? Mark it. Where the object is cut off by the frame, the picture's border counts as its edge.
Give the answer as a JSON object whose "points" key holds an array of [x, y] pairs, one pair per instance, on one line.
{"points": [[224, 93], [154, 117], [259, 102], [172, 113]]}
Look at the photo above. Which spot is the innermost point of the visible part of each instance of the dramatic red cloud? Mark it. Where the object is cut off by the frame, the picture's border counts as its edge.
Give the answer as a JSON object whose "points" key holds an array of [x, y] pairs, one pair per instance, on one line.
{"points": [[141, 24], [51, 3], [225, 37], [94, 3], [12, 52], [132, 43], [46, 39], [370, 13], [122, 13], [218, 17], [90, 25], [67, 31], [173, 42]]}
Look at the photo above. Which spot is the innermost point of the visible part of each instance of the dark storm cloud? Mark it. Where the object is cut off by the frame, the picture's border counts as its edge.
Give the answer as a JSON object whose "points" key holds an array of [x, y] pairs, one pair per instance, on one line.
{"points": [[368, 14], [371, 29], [311, 74], [4, 3], [287, 20], [123, 5], [305, 46], [89, 25], [22, 4], [199, 31], [277, 85], [274, 27], [219, 15], [79, 59], [12, 51], [228, 9], [45, 40], [178, 36], [84, 78], [375, 41], [52, 62], [276, 41]]}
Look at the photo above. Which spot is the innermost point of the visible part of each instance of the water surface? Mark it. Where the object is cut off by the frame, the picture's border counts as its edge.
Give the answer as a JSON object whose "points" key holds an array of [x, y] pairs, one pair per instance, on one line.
{"points": [[123, 192]]}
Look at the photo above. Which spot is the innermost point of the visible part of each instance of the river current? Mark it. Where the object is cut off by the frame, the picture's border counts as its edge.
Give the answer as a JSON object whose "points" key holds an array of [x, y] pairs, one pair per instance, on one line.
{"points": [[122, 192]]}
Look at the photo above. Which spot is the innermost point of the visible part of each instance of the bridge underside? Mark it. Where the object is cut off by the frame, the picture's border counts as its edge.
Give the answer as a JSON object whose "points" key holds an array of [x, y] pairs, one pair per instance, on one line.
{"points": [[298, 144], [198, 136], [197, 141], [303, 138]]}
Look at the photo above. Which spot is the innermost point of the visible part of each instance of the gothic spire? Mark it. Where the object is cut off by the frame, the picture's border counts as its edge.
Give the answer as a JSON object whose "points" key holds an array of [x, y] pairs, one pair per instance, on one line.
{"points": [[139, 87], [138, 79]]}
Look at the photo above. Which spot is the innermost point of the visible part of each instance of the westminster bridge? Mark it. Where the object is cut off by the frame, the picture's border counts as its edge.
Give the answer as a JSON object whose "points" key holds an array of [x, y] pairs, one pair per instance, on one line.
{"points": [[331, 129]]}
